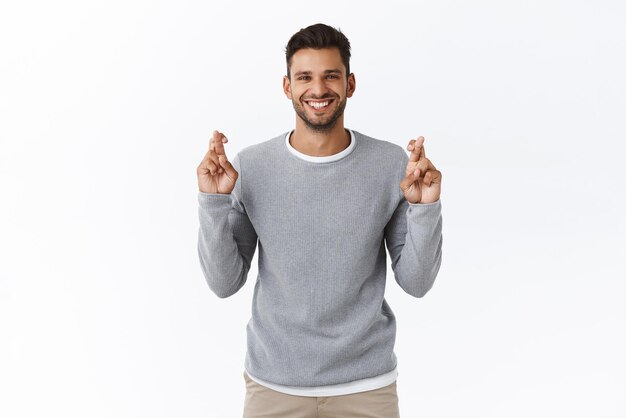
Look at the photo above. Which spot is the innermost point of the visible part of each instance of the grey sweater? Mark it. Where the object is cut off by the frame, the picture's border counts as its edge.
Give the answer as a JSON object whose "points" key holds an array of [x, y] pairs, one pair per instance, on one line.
{"points": [[319, 316]]}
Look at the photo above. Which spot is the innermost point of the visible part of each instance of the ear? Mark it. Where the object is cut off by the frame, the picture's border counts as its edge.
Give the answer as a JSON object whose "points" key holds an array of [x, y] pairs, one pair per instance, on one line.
{"points": [[351, 85], [287, 87]]}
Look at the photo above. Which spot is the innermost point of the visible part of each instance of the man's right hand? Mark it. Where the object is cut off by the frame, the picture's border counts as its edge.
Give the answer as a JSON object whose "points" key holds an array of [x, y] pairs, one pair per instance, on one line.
{"points": [[215, 173]]}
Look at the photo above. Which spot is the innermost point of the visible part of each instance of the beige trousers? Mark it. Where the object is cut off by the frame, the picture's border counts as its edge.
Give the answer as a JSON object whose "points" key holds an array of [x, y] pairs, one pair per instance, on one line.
{"points": [[264, 402]]}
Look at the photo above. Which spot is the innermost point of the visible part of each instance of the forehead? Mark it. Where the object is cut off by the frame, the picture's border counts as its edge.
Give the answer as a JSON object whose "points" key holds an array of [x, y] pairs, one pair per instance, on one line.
{"points": [[309, 59]]}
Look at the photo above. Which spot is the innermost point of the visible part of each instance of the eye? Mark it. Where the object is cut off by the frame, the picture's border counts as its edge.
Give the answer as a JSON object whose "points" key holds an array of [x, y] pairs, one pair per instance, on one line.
{"points": [[333, 76], [303, 77]]}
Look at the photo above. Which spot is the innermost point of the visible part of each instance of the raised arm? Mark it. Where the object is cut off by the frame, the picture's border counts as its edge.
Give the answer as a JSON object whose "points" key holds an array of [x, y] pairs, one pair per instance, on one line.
{"points": [[226, 238], [414, 236]]}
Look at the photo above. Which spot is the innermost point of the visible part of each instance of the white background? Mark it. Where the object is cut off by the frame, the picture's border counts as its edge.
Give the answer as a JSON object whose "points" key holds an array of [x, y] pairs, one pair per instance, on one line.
{"points": [[106, 110]]}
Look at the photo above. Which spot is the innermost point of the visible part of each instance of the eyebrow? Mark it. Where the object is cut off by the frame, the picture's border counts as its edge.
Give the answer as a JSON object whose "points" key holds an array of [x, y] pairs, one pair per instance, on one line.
{"points": [[333, 71]]}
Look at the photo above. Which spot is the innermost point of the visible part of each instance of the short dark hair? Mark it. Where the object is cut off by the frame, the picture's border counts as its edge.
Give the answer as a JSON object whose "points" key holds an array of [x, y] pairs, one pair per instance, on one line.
{"points": [[319, 36]]}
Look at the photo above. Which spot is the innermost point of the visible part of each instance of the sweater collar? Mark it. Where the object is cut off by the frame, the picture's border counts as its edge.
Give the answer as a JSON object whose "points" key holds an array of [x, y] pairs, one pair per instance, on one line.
{"points": [[326, 158]]}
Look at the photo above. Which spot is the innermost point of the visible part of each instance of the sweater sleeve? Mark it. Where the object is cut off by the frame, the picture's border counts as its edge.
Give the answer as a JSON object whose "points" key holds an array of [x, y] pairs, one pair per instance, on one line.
{"points": [[414, 240], [226, 238]]}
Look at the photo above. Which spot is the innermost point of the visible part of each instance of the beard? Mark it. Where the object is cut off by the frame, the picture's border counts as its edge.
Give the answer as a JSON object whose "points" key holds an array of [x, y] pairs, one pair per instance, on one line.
{"points": [[324, 124]]}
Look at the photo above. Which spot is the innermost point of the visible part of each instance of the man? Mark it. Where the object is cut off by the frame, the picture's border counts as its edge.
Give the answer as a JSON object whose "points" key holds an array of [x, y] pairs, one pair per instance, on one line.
{"points": [[322, 201]]}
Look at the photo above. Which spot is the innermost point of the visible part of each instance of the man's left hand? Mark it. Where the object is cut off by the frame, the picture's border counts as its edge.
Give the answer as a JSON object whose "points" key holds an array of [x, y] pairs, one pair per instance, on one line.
{"points": [[422, 183]]}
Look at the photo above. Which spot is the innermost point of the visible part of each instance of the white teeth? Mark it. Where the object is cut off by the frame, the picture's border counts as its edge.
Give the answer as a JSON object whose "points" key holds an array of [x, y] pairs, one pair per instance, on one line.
{"points": [[318, 105]]}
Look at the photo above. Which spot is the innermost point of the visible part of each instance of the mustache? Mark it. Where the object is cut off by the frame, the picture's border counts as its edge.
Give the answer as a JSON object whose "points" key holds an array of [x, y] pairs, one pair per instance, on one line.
{"points": [[326, 96]]}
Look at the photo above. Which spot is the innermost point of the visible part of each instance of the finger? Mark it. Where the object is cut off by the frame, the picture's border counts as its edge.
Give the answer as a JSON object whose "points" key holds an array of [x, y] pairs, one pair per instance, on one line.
{"points": [[212, 141], [422, 150], [410, 179], [212, 156], [211, 167], [215, 160], [425, 164], [417, 149], [432, 177], [218, 141], [228, 168]]}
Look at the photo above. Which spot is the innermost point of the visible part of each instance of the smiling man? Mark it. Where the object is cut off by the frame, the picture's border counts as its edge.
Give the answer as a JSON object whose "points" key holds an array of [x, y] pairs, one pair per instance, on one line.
{"points": [[322, 202], [319, 90]]}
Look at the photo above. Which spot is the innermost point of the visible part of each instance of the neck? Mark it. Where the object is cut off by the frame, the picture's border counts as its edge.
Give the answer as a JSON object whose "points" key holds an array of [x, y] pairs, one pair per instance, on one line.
{"points": [[320, 144]]}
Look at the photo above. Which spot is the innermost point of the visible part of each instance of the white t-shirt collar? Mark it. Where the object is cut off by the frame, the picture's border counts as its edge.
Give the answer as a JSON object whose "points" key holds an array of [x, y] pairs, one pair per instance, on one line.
{"points": [[326, 158]]}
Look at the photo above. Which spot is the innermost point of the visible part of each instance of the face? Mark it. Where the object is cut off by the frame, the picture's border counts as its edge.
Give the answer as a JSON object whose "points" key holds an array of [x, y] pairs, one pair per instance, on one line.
{"points": [[318, 88]]}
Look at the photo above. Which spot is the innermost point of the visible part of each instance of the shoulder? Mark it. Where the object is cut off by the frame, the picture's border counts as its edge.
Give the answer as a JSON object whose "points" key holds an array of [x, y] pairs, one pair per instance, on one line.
{"points": [[261, 151], [383, 149]]}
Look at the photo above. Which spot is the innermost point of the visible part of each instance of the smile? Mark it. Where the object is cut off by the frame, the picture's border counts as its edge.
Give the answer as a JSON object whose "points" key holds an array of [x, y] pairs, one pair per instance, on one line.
{"points": [[319, 106]]}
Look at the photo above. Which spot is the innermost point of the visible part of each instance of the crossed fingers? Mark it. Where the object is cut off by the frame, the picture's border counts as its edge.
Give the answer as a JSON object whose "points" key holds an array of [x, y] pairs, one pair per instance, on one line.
{"points": [[217, 143], [418, 160], [216, 150]]}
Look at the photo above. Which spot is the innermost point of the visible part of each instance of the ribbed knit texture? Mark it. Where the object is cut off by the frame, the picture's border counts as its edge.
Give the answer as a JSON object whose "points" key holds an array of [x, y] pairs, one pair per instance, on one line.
{"points": [[319, 316]]}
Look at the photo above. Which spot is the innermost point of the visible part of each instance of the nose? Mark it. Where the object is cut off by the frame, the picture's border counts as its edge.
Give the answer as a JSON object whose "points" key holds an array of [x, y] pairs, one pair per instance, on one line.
{"points": [[318, 87]]}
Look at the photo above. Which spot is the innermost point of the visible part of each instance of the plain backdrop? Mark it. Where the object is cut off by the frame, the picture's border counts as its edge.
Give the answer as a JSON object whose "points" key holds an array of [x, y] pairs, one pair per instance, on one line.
{"points": [[106, 109]]}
